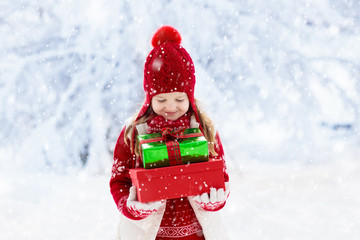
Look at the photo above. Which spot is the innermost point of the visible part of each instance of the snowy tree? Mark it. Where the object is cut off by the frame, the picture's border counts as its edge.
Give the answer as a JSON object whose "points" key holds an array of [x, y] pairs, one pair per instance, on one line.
{"points": [[71, 74]]}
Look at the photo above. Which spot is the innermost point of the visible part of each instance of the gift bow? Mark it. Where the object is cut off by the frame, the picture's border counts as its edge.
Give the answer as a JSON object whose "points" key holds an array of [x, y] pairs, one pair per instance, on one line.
{"points": [[168, 133]]}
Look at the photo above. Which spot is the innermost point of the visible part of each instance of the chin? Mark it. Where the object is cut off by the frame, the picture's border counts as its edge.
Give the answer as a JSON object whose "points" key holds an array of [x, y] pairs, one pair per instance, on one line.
{"points": [[172, 118]]}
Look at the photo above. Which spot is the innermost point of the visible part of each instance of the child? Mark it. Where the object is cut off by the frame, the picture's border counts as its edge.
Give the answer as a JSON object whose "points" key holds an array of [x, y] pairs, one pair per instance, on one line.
{"points": [[169, 82]]}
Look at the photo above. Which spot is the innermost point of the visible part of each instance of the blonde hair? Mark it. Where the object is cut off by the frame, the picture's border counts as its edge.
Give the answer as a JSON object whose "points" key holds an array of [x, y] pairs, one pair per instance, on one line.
{"points": [[205, 121]]}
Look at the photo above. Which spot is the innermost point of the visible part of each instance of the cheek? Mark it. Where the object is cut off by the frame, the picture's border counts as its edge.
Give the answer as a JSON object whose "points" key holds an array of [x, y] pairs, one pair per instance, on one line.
{"points": [[155, 107], [185, 106]]}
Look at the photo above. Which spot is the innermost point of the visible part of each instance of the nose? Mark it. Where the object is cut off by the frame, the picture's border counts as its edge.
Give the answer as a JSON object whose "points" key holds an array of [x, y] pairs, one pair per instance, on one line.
{"points": [[170, 107]]}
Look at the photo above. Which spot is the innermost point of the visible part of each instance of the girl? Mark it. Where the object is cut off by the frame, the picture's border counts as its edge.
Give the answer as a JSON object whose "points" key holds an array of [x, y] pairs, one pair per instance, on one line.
{"points": [[169, 82]]}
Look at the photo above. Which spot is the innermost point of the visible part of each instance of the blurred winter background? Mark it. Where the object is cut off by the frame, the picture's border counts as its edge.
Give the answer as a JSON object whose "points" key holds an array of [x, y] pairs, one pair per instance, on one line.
{"points": [[281, 79]]}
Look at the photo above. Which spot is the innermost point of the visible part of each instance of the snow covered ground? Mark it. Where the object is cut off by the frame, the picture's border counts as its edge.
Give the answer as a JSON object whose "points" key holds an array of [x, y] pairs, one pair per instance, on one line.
{"points": [[296, 202], [52, 206], [267, 201]]}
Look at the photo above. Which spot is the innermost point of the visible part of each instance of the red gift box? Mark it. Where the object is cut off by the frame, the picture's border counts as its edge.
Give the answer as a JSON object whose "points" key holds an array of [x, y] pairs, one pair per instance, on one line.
{"points": [[177, 181]]}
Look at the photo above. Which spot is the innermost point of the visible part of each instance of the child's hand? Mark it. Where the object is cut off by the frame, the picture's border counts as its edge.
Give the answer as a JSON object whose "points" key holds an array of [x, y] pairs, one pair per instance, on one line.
{"points": [[215, 201], [139, 209]]}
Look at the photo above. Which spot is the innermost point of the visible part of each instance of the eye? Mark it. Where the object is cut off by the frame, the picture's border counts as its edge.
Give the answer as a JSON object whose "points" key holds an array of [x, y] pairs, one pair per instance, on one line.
{"points": [[180, 100], [161, 100]]}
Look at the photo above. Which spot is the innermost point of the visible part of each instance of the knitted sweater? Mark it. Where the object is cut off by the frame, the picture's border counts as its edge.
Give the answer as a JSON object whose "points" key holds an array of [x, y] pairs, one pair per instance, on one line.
{"points": [[179, 219]]}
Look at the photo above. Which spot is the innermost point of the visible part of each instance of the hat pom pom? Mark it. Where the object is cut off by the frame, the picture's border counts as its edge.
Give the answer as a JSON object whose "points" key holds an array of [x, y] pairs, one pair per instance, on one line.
{"points": [[165, 34]]}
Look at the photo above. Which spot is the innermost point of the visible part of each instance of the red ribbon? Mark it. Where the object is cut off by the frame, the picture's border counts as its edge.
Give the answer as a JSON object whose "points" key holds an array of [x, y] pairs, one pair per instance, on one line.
{"points": [[169, 133], [172, 144], [178, 136], [170, 137]]}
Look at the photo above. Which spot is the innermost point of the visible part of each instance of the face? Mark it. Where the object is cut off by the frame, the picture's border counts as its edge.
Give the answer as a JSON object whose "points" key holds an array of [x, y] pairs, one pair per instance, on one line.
{"points": [[171, 106]]}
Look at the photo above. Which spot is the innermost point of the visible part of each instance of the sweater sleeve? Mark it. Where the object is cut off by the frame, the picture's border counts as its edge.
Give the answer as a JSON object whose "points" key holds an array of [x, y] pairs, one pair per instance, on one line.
{"points": [[220, 155], [120, 181]]}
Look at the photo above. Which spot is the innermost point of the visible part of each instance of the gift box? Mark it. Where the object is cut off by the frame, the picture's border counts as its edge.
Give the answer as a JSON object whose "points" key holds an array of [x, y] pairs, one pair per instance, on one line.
{"points": [[177, 181], [173, 148]]}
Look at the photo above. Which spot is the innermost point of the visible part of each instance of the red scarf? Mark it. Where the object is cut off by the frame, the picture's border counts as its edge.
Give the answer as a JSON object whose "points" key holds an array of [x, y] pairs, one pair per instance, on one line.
{"points": [[159, 122]]}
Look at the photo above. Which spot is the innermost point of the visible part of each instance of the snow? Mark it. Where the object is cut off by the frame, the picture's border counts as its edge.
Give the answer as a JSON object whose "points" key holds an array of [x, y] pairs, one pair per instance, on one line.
{"points": [[295, 201], [280, 79], [267, 201], [43, 206]]}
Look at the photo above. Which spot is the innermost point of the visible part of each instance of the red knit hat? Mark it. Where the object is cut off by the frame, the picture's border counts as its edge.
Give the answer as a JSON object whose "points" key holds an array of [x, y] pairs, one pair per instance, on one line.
{"points": [[168, 68]]}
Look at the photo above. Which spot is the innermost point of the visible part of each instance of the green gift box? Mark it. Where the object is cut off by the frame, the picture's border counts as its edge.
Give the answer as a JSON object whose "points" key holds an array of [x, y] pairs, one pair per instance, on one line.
{"points": [[173, 148]]}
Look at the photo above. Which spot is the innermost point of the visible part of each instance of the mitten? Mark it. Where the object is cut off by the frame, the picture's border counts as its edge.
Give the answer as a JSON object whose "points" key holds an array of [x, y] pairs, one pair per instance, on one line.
{"points": [[215, 201], [138, 209]]}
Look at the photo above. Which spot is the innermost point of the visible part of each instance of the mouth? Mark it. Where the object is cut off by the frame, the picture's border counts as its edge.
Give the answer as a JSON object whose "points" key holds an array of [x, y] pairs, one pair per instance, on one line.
{"points": [[170, 113]]}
